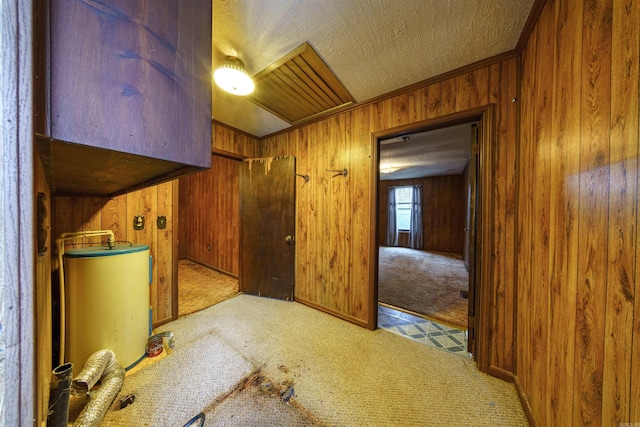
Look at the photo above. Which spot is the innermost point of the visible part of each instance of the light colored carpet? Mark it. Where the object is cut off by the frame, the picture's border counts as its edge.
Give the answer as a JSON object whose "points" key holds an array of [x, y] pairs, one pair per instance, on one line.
{"points": [[259, 403], [427, 283], [200, 287], [171, 391], [233, 361], [342, 374]]}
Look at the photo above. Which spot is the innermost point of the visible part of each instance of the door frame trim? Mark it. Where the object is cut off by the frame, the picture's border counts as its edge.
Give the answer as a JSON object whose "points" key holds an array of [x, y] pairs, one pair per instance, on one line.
{"points": [[485, 117]]}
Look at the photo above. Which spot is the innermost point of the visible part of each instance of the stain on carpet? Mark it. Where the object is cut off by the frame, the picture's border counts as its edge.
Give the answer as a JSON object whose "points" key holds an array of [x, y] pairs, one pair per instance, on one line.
{"points": [[260, 401]]}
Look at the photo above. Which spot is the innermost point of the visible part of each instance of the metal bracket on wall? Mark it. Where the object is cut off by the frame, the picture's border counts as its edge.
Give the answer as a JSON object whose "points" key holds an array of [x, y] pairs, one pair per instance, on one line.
{"points": [[306, 177], [343, 172], [40, 221]]}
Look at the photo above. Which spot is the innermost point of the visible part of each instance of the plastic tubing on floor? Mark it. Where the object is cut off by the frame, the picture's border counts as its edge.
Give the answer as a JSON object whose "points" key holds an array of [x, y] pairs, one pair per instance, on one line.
{"points": [[200, 417]]}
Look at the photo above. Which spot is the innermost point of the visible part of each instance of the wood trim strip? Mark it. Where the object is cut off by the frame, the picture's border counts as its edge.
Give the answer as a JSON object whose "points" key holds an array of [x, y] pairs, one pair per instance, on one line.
{"points": [[337, 314], [325, 77], [452, 119], [407, 89], [219, 270], [373, 234], [288, 57], [187, 170], [483, 63], [532, 20], [484, 232], [227, 154], [526, 406], [516, 217], [175, 196], [498, 372]]}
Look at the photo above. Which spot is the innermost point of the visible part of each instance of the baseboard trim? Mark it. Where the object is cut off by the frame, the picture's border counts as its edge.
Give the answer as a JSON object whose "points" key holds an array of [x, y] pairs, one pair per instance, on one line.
{"points": [[524, 402], [348, 318], [503, 374], [219, 270]]}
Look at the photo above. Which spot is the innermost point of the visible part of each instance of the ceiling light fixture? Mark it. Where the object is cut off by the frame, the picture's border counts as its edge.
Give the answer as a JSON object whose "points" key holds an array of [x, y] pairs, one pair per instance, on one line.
{"points": [[233, 78], [389, 169]]}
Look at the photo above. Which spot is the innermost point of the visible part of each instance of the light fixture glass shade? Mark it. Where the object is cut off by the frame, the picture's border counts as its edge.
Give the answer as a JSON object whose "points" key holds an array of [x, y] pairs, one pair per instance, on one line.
{"points": [[389, 169], [233, 78]]}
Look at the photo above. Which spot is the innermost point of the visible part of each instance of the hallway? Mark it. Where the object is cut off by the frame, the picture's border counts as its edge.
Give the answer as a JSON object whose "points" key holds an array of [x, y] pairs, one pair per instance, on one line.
{"points": [[337, 373]]}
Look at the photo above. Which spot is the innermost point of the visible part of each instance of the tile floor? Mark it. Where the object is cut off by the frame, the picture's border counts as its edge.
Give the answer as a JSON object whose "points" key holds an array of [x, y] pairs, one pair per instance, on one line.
{"points": [[422, 330]]}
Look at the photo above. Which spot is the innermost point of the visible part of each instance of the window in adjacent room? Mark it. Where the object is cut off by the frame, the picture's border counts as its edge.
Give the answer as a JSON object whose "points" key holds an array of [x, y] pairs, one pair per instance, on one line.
{"points": [[403, 208]]}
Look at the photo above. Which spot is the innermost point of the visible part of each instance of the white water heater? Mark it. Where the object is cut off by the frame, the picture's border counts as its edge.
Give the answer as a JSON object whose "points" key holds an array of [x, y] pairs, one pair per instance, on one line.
{"points": [[107, 303]]}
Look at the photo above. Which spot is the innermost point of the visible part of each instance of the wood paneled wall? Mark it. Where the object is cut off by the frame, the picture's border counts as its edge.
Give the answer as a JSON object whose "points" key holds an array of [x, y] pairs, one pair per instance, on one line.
{"points": [[578, 254], [335, 224], [73, 214], [443, 211], [228, 140], [209, 216], [334, 219], [209, 203]]}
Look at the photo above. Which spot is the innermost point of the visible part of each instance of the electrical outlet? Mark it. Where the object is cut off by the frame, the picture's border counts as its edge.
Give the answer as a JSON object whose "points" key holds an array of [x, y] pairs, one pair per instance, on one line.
{"points": [[138, 222], [162, 222]]}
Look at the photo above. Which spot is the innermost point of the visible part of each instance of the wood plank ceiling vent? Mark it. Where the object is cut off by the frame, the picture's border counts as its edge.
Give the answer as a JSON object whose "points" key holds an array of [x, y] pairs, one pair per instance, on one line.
{"points": [[299, 86]]}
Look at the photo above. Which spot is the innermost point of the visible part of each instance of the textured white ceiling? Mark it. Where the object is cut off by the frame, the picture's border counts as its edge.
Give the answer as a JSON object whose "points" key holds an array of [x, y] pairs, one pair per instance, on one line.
{"points": [[444, 151], [373, 46]]}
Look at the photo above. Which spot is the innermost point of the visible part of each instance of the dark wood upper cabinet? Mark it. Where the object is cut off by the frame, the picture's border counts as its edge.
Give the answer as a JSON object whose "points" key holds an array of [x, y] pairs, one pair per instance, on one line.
{"points": [[123, 92]]}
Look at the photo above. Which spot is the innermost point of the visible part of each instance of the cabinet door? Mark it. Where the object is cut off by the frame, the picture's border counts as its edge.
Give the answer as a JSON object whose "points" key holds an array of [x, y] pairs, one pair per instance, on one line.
{"points": [[133, 76]]}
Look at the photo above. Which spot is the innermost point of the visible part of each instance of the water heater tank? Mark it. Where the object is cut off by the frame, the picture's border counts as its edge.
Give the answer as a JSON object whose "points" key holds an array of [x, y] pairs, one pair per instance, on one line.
{"points": [[107, 303]]}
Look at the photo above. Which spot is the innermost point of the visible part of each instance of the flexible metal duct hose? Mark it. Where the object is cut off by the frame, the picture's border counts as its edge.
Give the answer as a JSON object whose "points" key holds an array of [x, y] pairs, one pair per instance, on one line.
{"points": [[101, 365], [59, 396]]}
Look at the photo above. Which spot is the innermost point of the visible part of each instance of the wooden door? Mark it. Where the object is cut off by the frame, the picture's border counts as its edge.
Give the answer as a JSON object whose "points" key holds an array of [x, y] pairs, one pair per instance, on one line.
{"points": [[267, 227], [471, 240]]}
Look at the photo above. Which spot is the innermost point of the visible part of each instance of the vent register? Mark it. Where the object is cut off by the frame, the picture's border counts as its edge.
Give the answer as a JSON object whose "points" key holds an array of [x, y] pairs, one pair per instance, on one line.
{"points": [[299, 87]]}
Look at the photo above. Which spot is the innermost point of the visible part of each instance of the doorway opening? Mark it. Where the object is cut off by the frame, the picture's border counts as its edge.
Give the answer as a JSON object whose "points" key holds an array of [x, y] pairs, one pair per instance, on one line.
{"points": [[223, 249], [425, 270], [208, 235]]}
